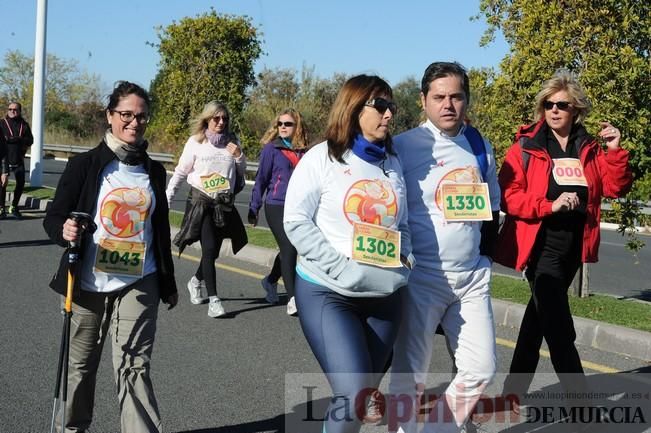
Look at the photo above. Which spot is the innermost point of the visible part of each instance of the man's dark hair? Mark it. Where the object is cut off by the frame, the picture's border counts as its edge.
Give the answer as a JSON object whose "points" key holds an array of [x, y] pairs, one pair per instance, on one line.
{"points": [[444, 69], [123, 89]]}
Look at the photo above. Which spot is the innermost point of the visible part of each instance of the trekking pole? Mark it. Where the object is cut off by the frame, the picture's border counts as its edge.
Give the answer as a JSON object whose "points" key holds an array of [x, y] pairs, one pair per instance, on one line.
{"points": [[86, 223]]}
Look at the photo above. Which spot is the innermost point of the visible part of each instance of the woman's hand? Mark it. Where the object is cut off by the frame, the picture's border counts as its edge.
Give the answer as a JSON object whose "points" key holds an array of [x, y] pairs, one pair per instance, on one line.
{"points": [[234, 149], [610, 135], [71, 230], [172, 300], [253, 218], [566, 202]]}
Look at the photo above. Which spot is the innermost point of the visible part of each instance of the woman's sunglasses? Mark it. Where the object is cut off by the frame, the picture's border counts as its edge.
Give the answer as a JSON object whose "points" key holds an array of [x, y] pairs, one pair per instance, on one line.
{"points": [[562, 105], [285, 124], [381, 105]]}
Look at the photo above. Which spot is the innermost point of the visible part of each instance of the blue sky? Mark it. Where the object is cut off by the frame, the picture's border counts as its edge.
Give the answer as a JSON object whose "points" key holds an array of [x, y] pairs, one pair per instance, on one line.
{"points": [[392, 39]]}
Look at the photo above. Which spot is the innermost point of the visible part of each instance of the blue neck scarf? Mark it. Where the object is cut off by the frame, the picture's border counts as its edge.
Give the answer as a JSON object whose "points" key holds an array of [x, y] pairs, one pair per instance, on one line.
{"points": [[369, 152], [287, 143]]}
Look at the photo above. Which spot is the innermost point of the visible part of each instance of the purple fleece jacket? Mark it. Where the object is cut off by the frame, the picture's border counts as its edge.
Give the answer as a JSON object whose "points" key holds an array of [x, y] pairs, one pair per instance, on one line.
{"points": [[274, 171]]}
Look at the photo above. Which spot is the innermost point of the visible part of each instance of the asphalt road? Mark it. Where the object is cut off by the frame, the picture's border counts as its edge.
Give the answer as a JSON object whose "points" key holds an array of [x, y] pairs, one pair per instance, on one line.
{"points": [[618, 273], [210, 375]]}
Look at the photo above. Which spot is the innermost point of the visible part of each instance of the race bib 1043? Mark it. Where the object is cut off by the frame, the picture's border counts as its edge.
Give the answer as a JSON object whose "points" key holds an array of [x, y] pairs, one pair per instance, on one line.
{"points": [[376, 245], [120, 257], [569, 172], [466, 202]]}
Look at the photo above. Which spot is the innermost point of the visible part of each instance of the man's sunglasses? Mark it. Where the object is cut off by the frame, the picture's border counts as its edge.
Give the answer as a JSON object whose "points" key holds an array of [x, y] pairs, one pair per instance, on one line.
{"points": [[562, 105], [12, 109], [381, 105], [285, 124]]}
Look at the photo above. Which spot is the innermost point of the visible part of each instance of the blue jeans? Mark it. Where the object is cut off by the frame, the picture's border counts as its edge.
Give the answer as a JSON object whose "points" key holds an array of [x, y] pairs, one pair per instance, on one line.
{"points": [[348, 335]]}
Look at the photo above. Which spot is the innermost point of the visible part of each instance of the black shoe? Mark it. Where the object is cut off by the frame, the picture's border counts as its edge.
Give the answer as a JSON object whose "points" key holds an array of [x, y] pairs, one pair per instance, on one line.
{"points": [[15, 212], [3, 214]]}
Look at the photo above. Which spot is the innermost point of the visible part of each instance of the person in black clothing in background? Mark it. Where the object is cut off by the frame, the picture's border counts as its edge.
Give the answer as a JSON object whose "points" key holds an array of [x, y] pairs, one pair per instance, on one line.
{"points": [[18, 137]]}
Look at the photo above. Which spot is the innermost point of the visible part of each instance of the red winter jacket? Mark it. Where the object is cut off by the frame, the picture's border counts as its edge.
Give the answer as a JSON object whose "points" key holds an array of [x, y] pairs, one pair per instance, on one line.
{"points": [[524, 192]]}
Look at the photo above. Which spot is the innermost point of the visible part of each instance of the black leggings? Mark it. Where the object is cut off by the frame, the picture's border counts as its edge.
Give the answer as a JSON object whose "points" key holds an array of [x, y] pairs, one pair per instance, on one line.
{"points": [[211, 242], [19, 174], [285, 263], [548, 315]]}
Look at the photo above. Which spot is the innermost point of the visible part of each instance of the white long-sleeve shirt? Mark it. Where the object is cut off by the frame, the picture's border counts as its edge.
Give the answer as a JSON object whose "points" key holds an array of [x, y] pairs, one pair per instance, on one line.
{"points": [[203, 163], [429, 157]]}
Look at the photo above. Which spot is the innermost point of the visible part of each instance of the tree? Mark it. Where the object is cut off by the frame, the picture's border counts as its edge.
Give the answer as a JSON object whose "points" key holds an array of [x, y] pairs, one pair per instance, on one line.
{"points": [[406, 94], [207, 57], [72, 98], [606, 43]]}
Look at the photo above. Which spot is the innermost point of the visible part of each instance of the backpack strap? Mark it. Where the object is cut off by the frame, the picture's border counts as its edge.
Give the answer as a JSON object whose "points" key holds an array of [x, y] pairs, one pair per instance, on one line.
{"points": [[478, 148]]}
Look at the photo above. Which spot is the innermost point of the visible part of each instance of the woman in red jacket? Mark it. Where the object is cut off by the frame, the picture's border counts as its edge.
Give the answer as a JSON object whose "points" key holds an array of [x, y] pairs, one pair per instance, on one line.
{"points": [[552, 181]]}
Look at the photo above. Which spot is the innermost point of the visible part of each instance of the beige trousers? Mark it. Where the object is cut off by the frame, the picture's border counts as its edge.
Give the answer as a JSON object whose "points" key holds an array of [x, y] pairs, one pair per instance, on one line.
{"points": [[129, 317]]}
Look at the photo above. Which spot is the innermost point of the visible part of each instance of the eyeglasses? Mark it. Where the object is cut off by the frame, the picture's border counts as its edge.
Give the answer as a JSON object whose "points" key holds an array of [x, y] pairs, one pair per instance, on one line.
{"points": [[12, 109], [128, 116], [285, 124], [381, 105], [219, 118], [562, 105]]}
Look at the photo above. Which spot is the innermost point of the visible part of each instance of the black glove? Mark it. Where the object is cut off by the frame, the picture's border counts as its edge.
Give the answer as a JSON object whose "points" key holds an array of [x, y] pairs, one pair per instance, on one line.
{"points": [[253, 218]]}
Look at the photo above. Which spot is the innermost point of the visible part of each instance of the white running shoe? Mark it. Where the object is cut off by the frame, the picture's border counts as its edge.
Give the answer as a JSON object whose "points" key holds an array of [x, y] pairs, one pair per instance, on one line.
{"points": [[291, 307], [271, 289], [215, 308], [194, 287]]}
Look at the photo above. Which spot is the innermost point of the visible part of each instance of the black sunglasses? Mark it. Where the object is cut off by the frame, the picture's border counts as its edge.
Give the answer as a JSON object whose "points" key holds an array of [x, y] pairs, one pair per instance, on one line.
{"points": [[381, 105], [285, 124], [562, 105]]}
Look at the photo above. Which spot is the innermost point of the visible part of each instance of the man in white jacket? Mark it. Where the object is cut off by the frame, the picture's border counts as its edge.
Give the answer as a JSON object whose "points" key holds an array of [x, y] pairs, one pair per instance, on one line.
{"points": [[453, 204]]}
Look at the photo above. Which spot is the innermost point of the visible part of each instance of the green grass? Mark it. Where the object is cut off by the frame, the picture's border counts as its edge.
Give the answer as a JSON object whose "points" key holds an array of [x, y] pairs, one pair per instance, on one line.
{"points": [[44, 192], [628, 313]]}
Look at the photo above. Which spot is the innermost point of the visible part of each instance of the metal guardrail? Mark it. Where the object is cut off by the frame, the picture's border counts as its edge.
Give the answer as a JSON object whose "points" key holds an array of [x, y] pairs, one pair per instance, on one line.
{"points": [[251, 166]]}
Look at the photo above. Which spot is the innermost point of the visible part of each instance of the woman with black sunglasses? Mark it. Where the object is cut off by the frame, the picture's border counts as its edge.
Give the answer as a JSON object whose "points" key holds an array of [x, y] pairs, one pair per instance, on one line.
{"points": [[213, 164], [552, 181], [345, 212], [285, 142]]}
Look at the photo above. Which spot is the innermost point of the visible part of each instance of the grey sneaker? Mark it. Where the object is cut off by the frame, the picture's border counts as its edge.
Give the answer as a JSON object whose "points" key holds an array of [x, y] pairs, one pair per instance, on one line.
{"points": [[271, 289], [215, 308], [194, 287], [291, 307]]}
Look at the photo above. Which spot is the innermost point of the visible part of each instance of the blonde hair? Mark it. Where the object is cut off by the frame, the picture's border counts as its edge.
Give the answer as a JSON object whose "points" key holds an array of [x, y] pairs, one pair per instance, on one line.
{"points": [[299, 139], [210, 110], [343, 121], [563, 80]]}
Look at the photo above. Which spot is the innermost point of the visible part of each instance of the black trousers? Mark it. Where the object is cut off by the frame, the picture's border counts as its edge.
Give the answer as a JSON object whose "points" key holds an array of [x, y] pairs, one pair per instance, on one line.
{"points": [[285, 262], [19, 174], [555, 260]]}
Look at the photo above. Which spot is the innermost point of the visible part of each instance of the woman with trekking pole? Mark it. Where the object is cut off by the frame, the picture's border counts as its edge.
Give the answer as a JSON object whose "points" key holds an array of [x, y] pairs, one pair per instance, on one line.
{"points": [[124, 269]]}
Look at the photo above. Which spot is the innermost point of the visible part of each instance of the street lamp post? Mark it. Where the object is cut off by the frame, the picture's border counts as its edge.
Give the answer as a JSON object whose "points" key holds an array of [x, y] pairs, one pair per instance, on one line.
{"points": [[35, 166]]}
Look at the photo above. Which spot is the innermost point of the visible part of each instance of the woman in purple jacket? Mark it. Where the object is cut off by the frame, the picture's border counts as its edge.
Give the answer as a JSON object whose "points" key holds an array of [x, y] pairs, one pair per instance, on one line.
{"points": [[286, 142]]}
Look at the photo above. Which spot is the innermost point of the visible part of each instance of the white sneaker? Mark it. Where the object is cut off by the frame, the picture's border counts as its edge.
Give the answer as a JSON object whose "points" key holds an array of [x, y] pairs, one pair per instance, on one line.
{"points": [[271, 289], [194, 287], [291, 307], [215, 308]]}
